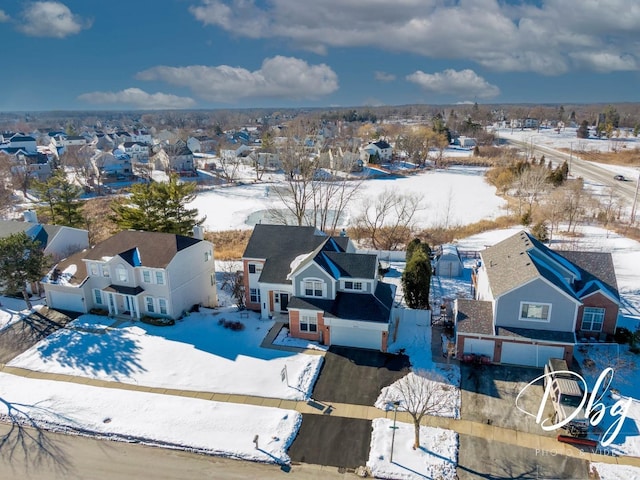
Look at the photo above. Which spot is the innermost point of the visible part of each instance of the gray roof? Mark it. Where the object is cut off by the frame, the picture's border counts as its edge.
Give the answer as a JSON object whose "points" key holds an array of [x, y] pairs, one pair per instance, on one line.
{"points": [[594, 266], [534, 334], [350, 265], [474, 316], [11, 227], [521, 258], [352, 306], [280, 245]]}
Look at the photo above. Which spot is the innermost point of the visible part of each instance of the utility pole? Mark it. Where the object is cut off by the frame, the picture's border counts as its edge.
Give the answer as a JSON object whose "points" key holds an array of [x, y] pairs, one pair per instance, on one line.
{"points": [[570, 156]]}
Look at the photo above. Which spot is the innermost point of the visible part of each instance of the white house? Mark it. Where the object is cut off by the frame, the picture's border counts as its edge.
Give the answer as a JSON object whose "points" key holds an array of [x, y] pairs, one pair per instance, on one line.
{"points": [[136, 274], [381, 148]]}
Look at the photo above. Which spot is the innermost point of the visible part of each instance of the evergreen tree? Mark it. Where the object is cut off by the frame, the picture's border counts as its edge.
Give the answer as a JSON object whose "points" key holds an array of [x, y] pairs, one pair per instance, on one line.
{"points": [[583, 130], [62, 199], [22, 261], [158, 207], [416, 278], [540, 231]]}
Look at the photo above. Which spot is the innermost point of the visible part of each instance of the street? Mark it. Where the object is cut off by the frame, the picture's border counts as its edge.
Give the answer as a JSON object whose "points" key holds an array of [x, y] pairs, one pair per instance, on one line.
{"points": [[27, 453]]}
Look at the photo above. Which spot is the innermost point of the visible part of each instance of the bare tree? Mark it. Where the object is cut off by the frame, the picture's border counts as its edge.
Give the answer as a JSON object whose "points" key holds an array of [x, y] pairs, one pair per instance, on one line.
{"points": [[422, 393], [77, 159], [574, 203], [300, 161], [531, 184], [388, 220], [418, 141], [6, 192]]}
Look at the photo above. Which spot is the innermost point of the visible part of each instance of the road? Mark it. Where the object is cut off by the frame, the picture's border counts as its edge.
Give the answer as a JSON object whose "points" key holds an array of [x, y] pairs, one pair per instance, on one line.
{"points": [[30, 454], [593, 174]]}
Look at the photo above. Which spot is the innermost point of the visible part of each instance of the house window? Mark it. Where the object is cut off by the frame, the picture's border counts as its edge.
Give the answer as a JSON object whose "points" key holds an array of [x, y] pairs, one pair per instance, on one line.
{"points": [[97, 295], [162, 306], [105, 271], [308, 323], [592, 319], [255, 268], [146, 276], [149, 303], [160, 278], [94, 270], [121, 273], [254, 295], [348, 285], [207, 255], [535, 312], [213, 279], [313, 288]]}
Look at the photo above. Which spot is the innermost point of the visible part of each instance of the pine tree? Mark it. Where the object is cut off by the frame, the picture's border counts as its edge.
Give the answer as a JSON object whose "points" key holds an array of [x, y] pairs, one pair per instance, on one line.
{"points": [[583, 130], [158, 207], [62, 199], [22, 261], [416, 278]]}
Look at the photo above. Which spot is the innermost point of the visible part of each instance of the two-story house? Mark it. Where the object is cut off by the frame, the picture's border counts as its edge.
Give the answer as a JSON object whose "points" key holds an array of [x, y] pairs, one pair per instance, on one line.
{"points": [[330, 293], [380, 149], [533, 303], [136, 273]]}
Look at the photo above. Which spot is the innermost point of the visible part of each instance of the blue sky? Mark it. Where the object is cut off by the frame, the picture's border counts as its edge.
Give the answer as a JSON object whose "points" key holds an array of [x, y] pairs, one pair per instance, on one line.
{"points": [[156, 54]]}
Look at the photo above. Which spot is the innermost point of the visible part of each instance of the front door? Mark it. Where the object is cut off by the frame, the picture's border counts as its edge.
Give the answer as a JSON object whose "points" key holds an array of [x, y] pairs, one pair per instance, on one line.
{"points": [[284, 302]]}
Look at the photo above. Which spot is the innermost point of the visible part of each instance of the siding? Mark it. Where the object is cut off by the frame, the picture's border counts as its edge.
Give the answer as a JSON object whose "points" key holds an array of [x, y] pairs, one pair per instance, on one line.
{"points": [[313, 271], [610, 315], [563, 311]]}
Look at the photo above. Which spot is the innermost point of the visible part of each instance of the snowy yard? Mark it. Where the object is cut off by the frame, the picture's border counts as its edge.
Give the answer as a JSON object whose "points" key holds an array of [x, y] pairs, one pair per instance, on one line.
{"points": [[171, 422], [437, 456], [196, 354], [13, 309]]}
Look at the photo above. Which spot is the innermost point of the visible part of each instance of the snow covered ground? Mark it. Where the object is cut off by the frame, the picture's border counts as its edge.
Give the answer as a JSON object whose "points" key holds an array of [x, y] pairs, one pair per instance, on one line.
{"points": [[437, 456], [458, 195], [13, 309], [608, 471], [172, 422], [196, 354]]}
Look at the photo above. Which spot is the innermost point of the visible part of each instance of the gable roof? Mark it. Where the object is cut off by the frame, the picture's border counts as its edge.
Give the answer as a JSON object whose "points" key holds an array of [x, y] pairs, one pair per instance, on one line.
{"points": [[351, 265], [521, 258], [137, 248], [382, 144]]}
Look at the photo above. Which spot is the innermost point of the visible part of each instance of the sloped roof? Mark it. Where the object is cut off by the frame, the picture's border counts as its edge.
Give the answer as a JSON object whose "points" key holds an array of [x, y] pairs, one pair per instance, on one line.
{"points": [[279, 245], [594, 266], [382, 144], [352, 306], [474, 316], [351, 265], [150, 249], [11, 227]]}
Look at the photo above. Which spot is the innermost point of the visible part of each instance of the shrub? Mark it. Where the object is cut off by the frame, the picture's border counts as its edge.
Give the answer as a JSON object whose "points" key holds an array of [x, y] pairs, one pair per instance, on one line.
{"points": [[236, 326], [622, 335], [99, 311], [158, 321]]}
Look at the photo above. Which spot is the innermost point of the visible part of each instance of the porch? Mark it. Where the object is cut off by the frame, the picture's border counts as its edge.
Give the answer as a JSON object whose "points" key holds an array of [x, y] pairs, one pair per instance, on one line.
{"points": [[123, 301]]}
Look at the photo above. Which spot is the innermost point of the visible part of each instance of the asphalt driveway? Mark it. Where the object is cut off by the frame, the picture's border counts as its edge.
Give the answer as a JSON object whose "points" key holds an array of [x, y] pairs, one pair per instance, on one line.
{"points": [[356, 376], [489, 392], [483, 459], [30, 330], [334, 441]]}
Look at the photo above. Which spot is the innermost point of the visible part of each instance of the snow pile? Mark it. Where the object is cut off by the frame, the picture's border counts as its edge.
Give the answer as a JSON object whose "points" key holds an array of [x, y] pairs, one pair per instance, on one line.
{"points": [[437, 456], [283, 339], [616, 472]]}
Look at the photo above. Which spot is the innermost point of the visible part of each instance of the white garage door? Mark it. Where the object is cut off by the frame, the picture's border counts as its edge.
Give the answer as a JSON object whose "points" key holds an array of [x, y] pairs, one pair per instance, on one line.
{"points": [[67, 301], [529, 355], [479, 347], [356, 337]]}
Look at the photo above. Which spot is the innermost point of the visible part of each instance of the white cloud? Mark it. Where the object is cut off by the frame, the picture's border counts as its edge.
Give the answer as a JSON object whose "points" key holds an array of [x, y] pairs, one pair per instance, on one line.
{"points": [[51, 19], [545, 37], [3, 16], [138, 98], [605, 61], [278, 77], [384, 76], [462, 83]]}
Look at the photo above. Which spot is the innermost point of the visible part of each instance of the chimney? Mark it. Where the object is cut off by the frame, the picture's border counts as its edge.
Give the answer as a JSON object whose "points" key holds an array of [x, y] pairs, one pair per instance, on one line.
{"points": [[198, 232], [343, 233], [30, 216]]}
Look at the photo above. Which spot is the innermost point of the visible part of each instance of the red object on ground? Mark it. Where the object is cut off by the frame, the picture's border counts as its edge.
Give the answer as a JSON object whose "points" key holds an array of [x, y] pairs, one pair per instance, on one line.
{"points": [[577, 441]]}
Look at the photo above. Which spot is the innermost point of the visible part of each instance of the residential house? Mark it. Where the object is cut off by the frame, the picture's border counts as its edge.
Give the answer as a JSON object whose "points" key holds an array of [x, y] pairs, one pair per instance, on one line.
{"points": [[380, 149], [533, 303], [180, 157], [136, 273], [324, 289], [138, 152]]}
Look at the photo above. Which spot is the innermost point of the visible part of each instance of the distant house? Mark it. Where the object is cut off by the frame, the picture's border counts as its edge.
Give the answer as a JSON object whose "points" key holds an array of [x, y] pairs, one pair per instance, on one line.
{"points": [[136, 273], [138, 152], [328, 292], [381, 149], [533, 303], [180, 157]]}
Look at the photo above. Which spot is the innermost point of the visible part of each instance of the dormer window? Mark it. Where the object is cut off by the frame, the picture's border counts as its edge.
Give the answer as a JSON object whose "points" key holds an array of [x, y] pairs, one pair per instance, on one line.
{"points": [[349, 285], [313, 288], [94, 270]]}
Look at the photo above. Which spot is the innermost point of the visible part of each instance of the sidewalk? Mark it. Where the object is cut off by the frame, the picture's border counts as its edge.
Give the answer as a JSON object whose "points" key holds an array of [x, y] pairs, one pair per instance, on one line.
{"points": [[489, 432]]}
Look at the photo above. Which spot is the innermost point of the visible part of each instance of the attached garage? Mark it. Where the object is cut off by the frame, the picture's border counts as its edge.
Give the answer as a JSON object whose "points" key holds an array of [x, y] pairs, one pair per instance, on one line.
{"points": [[72, 302], [528, 354], [479, 346], [356, 337]]}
